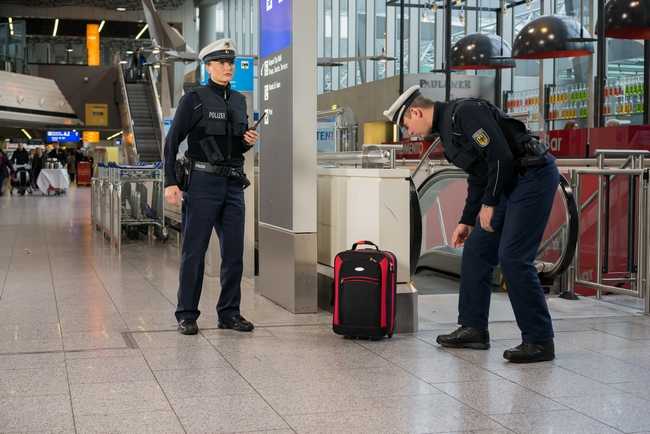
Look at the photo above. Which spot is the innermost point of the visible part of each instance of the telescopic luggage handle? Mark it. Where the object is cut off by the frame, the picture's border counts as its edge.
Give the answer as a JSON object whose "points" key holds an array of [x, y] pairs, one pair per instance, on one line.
{"points": [[363, 242]]}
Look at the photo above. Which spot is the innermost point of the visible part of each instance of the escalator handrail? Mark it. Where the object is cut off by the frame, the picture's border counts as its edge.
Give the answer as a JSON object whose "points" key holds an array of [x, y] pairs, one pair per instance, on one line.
{"points": [[571, 207]]}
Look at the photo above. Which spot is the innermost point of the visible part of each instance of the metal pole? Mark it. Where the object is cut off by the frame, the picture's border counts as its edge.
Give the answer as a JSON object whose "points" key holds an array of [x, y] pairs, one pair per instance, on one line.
{"points": [[448, 50], [573, 269], [498, 76], [644, 239], [601, 66], [646, 81], [401, 46], [642, 230], [599, 229]]}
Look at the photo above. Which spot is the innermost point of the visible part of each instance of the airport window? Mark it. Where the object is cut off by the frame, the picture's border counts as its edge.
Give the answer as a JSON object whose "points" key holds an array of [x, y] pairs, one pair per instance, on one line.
{"points": [[361, 29]]}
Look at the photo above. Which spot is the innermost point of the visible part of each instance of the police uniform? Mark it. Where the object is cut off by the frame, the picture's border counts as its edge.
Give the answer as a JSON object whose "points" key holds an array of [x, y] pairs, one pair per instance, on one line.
{"points": [[213, 118], [509, 170]]}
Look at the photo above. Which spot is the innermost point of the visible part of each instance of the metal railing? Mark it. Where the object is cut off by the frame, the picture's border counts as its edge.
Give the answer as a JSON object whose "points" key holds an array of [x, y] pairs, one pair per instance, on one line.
{"points": [[153, 84], [129, 139], [633, 167]]}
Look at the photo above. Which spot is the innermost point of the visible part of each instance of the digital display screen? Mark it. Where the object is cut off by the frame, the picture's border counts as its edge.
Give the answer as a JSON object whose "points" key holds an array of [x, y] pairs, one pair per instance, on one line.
{"points": [[62, 136]]}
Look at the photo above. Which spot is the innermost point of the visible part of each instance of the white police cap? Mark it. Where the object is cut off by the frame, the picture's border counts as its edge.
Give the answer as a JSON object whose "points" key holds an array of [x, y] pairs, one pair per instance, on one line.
{"points": [[221, 49], [396, 111]]}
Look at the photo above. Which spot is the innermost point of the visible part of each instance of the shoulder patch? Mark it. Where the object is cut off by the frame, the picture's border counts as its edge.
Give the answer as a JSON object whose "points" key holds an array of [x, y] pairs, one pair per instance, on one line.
{"points": [[481, 138]]}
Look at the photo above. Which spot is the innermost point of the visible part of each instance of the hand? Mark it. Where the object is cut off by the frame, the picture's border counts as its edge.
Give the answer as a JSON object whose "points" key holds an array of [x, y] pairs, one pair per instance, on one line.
{"points": [[486, 214], [461, 233], [250, 137], [173, 195]]}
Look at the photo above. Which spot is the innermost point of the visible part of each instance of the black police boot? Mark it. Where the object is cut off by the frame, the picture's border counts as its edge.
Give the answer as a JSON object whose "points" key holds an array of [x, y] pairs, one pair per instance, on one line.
{"points": [[531, 353], [237, 323], [466, 337], [187, 327]]}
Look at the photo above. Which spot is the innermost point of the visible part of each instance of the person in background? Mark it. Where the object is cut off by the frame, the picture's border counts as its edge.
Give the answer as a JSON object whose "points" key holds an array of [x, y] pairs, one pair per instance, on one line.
{"points": [[37, 165], [58, 153], [5, 169], [72, 165], [20, 155]]}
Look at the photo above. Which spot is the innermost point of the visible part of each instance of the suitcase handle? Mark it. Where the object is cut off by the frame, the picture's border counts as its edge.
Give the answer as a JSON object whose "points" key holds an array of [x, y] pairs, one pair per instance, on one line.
{"points": [[368, 243]]}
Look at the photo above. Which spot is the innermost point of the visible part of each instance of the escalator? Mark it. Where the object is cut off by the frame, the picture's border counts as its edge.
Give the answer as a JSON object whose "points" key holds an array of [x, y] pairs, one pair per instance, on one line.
{"points": [[145, 124], [141, 117], [437, 198]]}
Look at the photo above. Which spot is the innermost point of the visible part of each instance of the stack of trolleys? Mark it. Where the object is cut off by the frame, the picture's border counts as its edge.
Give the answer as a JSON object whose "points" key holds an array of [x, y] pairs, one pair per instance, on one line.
{"points": [[101, 199], [136, 201]]}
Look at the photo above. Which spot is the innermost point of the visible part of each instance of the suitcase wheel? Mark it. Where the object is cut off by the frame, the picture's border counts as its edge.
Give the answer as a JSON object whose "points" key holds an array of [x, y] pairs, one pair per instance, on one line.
{"points": [[376, 338], [390, 335]]}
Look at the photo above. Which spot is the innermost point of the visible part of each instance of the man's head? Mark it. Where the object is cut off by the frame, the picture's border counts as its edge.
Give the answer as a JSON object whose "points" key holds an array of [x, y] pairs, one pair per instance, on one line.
{"points": [[20, 146], [412, 112], [219, 58]]}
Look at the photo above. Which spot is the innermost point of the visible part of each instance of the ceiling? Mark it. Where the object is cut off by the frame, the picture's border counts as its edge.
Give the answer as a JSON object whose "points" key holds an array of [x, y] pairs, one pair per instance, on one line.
{"points": [[106, 4]]}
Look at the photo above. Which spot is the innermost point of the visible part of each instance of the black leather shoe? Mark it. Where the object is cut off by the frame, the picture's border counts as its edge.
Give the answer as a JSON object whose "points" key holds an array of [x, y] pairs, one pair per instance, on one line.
{"points": [[531, 353], [188, 327], [466, 337], [238, 323]]}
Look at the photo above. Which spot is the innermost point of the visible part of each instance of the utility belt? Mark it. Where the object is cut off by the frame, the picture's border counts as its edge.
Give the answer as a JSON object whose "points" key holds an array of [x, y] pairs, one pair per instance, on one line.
{"points": [[534, 155], [234, 173]]}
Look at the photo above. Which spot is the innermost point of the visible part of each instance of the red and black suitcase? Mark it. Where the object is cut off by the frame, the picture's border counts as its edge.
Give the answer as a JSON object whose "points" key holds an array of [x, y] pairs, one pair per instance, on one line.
{"points": [[365, 283]]}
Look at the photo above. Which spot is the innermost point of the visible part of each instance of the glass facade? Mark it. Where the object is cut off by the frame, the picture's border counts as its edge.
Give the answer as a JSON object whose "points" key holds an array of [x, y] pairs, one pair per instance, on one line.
{"points": [[358, 29]]}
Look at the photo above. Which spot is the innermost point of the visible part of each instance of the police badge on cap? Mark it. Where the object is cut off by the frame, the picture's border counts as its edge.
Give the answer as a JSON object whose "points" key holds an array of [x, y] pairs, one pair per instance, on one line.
{"points": [[223, 49]]}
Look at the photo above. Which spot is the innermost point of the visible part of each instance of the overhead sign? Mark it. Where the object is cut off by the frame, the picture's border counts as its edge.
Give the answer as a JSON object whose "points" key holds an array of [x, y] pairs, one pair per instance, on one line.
{"points": [[62, 136], [91, 136], [96, 115], [275, 26]]}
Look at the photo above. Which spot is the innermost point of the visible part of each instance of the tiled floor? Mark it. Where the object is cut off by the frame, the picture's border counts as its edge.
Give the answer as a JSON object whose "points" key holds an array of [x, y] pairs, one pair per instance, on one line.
{"points": [[87, 344]]}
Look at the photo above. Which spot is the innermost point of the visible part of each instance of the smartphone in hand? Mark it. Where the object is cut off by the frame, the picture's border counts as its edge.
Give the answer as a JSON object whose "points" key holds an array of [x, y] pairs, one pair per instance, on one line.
{"points": [[254, 127]]}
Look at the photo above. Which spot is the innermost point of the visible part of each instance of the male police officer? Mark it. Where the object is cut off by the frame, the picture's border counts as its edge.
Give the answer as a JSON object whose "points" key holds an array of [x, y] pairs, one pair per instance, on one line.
{"points": [[214, 120], [511, 185]]}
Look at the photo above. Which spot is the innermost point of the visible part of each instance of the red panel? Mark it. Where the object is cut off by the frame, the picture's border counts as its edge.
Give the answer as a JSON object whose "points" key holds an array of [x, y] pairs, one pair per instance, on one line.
{"points": [[337, 268], [383, 264]]}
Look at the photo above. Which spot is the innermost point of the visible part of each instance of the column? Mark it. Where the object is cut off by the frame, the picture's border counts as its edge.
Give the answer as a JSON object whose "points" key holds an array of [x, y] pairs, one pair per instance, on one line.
{"points": [[288, 169]]}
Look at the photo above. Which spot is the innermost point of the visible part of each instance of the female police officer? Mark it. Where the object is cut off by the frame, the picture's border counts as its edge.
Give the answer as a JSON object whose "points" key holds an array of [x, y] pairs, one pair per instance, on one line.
{"points": [[214, 120], [511, 185]]}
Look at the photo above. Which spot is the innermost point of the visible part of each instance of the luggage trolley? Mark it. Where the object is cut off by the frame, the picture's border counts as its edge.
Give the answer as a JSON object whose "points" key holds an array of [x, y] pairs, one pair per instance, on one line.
{"points": [[136, 200]]}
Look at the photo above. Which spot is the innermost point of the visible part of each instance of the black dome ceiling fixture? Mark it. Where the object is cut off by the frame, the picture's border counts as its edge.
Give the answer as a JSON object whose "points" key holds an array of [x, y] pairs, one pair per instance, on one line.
{"points": [[481, 51], [550, 37], [627, 19]]}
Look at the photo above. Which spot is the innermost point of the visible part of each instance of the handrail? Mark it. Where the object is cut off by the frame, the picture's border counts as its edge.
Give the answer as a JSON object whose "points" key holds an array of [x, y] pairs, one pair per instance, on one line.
{"points": [[125, 99], [159, 115]]}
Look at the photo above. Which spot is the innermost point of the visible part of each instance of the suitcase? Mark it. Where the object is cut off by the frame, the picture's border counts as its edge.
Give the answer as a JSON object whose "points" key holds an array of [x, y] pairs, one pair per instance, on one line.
{"points": [[365, 282]]}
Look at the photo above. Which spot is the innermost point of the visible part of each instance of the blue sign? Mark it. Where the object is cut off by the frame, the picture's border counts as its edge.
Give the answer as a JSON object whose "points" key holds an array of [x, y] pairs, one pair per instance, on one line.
{"points": [[243, 77], [62, 136], [275, 26], [326, 135]]}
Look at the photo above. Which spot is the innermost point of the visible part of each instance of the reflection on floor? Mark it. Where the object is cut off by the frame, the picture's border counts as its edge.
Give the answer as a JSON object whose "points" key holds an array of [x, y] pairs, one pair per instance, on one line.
{"points": [[87, 345]]}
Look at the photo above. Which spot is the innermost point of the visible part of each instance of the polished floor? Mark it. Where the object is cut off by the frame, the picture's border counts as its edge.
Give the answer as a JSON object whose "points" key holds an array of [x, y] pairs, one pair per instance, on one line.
{"points": [[87, 346]]}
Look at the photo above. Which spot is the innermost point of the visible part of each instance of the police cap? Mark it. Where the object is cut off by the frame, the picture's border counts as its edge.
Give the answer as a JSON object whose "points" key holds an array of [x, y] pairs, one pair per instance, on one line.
{"points": [[223, 49], [396, 111]]}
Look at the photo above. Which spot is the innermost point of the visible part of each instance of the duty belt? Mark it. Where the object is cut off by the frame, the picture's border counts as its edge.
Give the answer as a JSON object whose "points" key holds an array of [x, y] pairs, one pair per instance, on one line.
{"points": [[219, 170], [235, 173]]}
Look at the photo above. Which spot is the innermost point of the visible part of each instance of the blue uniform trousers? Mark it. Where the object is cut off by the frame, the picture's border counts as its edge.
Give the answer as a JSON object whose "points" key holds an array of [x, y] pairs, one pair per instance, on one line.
{"points": [[519, 222], [211, 202]]}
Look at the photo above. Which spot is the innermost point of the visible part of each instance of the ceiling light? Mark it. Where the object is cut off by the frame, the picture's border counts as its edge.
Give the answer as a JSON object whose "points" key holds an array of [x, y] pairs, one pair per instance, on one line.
{"points": [[627, 19], [56, 27], [144, 29], [566, 39], [121, 9], [155, 51], [493, 52], [11, 26], [26, 134], [101, 26], [129, 52], [123, 62], [114, 135]]}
